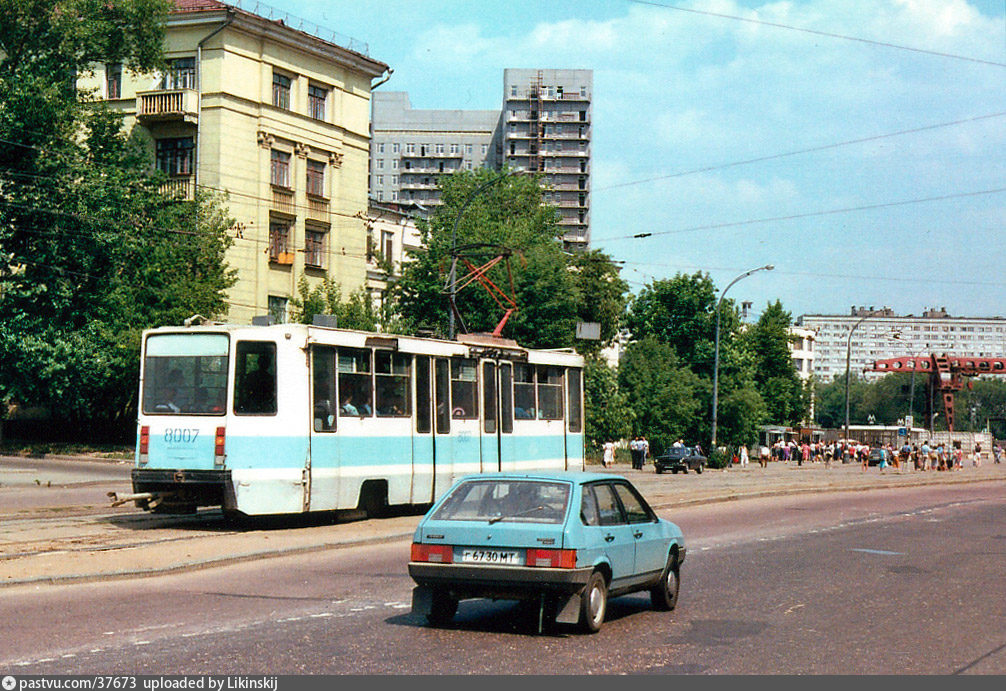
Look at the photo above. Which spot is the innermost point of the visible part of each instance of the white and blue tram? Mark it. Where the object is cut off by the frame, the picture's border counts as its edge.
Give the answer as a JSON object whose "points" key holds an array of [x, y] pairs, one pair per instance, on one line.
{"points": [[293, 418]]}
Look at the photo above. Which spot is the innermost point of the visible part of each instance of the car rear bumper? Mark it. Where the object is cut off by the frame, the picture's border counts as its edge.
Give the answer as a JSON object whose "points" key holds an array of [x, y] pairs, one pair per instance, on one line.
{"points": [[476, 580]]}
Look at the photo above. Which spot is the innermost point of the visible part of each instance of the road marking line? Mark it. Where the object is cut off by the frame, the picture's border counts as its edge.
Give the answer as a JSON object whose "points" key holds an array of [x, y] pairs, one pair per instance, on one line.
{"points": [[876, 551]]}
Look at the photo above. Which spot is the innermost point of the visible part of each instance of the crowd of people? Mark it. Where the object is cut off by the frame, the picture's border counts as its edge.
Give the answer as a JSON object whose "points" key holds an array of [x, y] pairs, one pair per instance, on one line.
{"points": [[928, 455]]}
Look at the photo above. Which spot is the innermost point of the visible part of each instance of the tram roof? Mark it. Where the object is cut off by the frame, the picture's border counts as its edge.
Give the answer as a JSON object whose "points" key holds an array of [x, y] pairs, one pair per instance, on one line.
{"points": [[466, 345]]}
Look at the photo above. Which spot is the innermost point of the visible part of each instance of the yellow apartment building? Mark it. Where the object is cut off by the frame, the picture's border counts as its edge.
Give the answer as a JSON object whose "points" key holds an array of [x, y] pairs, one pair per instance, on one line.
{"points": [[275, 113]]}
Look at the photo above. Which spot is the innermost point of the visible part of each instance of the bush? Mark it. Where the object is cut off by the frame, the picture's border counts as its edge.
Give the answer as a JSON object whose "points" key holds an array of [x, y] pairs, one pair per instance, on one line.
{"points": [[719, 459]]}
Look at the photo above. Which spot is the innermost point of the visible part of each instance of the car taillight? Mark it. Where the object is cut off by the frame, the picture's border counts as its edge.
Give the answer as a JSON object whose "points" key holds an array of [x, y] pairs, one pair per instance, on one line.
{"points": [[218, 447], [440, 554], [144, 440], [552, 558]]}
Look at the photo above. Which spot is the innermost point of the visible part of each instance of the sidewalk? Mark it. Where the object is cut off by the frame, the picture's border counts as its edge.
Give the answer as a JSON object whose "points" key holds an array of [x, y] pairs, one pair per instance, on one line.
{"points": [[113, 548]]}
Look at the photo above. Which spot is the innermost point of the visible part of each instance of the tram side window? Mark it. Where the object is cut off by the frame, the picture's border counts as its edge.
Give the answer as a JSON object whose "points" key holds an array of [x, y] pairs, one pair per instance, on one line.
{"points": [[523, 392], [323, 388], [355, 386], [392, 373], [464, 389], [549, 393], [255, 378], [506, 398], [424, 407], [442, 374], [575, 410], [489, 397]]}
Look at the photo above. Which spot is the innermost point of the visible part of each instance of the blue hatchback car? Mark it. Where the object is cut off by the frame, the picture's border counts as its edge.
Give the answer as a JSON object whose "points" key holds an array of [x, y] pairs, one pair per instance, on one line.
{"points": [[567, 541]]}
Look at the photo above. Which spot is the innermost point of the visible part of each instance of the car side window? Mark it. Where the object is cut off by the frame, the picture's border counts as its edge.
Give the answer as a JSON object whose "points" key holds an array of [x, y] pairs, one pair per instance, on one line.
{"points": [[588, 507], [635, 510], [608, 509]]}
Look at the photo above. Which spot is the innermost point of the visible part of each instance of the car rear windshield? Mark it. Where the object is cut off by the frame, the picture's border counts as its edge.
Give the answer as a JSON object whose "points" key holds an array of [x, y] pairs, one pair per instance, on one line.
{"points": [[506, 501]]}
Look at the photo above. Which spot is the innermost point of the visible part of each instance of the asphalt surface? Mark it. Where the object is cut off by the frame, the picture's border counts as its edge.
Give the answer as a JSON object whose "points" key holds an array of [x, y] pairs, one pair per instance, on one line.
{"points": [[208, 541]]}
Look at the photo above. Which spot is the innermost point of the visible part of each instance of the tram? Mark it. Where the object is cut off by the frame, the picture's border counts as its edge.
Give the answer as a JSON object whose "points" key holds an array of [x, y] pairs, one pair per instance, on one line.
{"points": [[294, 418]]}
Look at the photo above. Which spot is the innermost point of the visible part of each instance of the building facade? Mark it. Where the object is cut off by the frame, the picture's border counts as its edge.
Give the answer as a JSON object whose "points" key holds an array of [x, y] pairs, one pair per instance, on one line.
{"points": [[392, 235], [880, 333], [544, 126], [413, 148], [547, 128], [277, 119]]}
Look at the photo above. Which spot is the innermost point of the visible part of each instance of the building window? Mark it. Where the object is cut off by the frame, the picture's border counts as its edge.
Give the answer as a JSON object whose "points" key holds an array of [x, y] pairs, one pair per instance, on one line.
{"points": [[396, 147], [174, 156], [380, 164], [316, 97], [281, 91], [513, 91], [316, 178], [277, 309], [387, 244], [440, 148], [279, 242], [410, 148], [380, 148], [279, 173], [181, 74], [380, 180], [454, 148], [485, 148], [394, 164], [113, 80], [314, 248], [394, 179]]}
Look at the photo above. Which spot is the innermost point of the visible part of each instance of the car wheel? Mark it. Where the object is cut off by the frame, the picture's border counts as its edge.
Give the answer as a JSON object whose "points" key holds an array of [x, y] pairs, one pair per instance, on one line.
{"points": [[664, 595], [674, 471], [658, 469], [594, 603], [443, 608], [685, 470], [698, 469]]}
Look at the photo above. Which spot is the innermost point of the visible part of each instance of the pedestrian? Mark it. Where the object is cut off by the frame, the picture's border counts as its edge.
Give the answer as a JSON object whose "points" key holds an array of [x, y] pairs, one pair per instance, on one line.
{"points": [[763, 456], [977, 462], [997, 453], [645, 448], [636, 452], [608, 454], [743, 453], [804, 453], [829, 453]]}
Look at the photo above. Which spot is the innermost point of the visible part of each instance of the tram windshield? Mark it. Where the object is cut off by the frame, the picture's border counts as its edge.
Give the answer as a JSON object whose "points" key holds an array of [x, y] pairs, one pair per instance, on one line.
{"points": [[185, 374]]}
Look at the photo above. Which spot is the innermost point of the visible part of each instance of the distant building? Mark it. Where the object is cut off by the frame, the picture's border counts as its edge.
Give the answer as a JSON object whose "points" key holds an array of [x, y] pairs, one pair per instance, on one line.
{"points": [[883, 334], [544, 125], [278, 118], [391, 235], [801, 348]]}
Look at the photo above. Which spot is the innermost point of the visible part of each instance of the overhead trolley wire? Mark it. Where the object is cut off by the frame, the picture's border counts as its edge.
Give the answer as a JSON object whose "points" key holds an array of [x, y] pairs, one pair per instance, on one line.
{"points": [[828, 34]]}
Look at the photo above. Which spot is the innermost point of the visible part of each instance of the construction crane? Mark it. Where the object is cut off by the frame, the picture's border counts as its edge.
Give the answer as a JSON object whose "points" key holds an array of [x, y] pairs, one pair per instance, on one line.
{"points": [[946, 375]]}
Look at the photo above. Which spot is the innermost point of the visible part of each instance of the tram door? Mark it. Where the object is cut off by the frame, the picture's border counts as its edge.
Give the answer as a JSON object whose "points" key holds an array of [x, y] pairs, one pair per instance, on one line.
{"points": [[489, 435], [574, 419], [422, 438], [443, 442], [507, 443]]}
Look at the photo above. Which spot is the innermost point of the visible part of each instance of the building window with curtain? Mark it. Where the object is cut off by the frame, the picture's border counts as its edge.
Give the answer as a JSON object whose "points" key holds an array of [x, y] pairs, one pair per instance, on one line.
{"points": [[113, 80], [174, 155], [281, 91], [279, 173], [279, 242], [316, 98], [316, 178], [314, 248]]}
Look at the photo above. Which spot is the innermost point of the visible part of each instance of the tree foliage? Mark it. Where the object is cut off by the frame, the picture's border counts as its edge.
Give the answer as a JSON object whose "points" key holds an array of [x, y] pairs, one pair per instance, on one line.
{"points": [[503, 214], [608, 416], [775, 377], [91, 251], [356, 311]]}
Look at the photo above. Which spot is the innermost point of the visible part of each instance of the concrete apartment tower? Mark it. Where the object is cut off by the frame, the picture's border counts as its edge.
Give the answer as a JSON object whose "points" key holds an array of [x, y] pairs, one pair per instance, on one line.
{"points": [[412, 148], [278, 118], [547, 128], [544, 126]]}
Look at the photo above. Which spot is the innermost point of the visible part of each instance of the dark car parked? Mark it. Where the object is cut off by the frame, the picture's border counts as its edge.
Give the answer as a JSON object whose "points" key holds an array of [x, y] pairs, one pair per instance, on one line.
{"points": [[680, 458]]}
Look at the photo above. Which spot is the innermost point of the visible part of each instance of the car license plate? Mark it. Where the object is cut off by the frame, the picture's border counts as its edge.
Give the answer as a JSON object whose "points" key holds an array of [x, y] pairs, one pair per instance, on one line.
{"points": [[490, 556]]}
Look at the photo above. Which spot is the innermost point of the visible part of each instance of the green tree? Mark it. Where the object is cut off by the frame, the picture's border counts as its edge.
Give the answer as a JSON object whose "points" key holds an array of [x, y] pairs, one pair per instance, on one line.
{"points": [[502, 214], [601, 296], [608, 416], [680, 312], [667, 398], [92, 251], [357, 311], [775, 377]]}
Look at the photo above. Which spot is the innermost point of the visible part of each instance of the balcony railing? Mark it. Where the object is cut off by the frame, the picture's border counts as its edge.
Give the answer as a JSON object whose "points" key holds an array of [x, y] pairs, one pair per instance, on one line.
{"points": [[174, 104], [180, 189]]}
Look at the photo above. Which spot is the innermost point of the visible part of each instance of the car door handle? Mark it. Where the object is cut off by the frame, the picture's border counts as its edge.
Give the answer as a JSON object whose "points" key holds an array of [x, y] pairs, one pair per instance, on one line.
{"points": [[637, 535], [609, 538]]}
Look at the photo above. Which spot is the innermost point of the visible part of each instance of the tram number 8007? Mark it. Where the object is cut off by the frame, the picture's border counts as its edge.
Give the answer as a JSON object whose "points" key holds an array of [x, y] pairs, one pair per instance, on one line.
{"points": [[182, 435]]}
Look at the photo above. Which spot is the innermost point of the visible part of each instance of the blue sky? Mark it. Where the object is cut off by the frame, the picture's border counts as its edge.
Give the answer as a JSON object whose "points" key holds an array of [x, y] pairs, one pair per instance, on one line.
{"points": [[683, 100]]}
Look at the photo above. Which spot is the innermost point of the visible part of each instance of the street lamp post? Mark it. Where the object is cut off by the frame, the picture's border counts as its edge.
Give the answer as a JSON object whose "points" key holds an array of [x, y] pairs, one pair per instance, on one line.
{"points": [[451, 281], [716, 352], [848, 359]]}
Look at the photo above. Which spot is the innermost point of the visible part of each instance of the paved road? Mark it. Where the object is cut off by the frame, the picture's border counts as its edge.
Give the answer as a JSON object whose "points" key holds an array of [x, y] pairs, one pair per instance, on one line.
{"points": [[894, 581]]}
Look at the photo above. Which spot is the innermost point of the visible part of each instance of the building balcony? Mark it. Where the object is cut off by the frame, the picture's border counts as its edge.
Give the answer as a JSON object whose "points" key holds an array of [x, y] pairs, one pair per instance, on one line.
{"points": [[167, 105], [433, 155], [181, 189]]}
